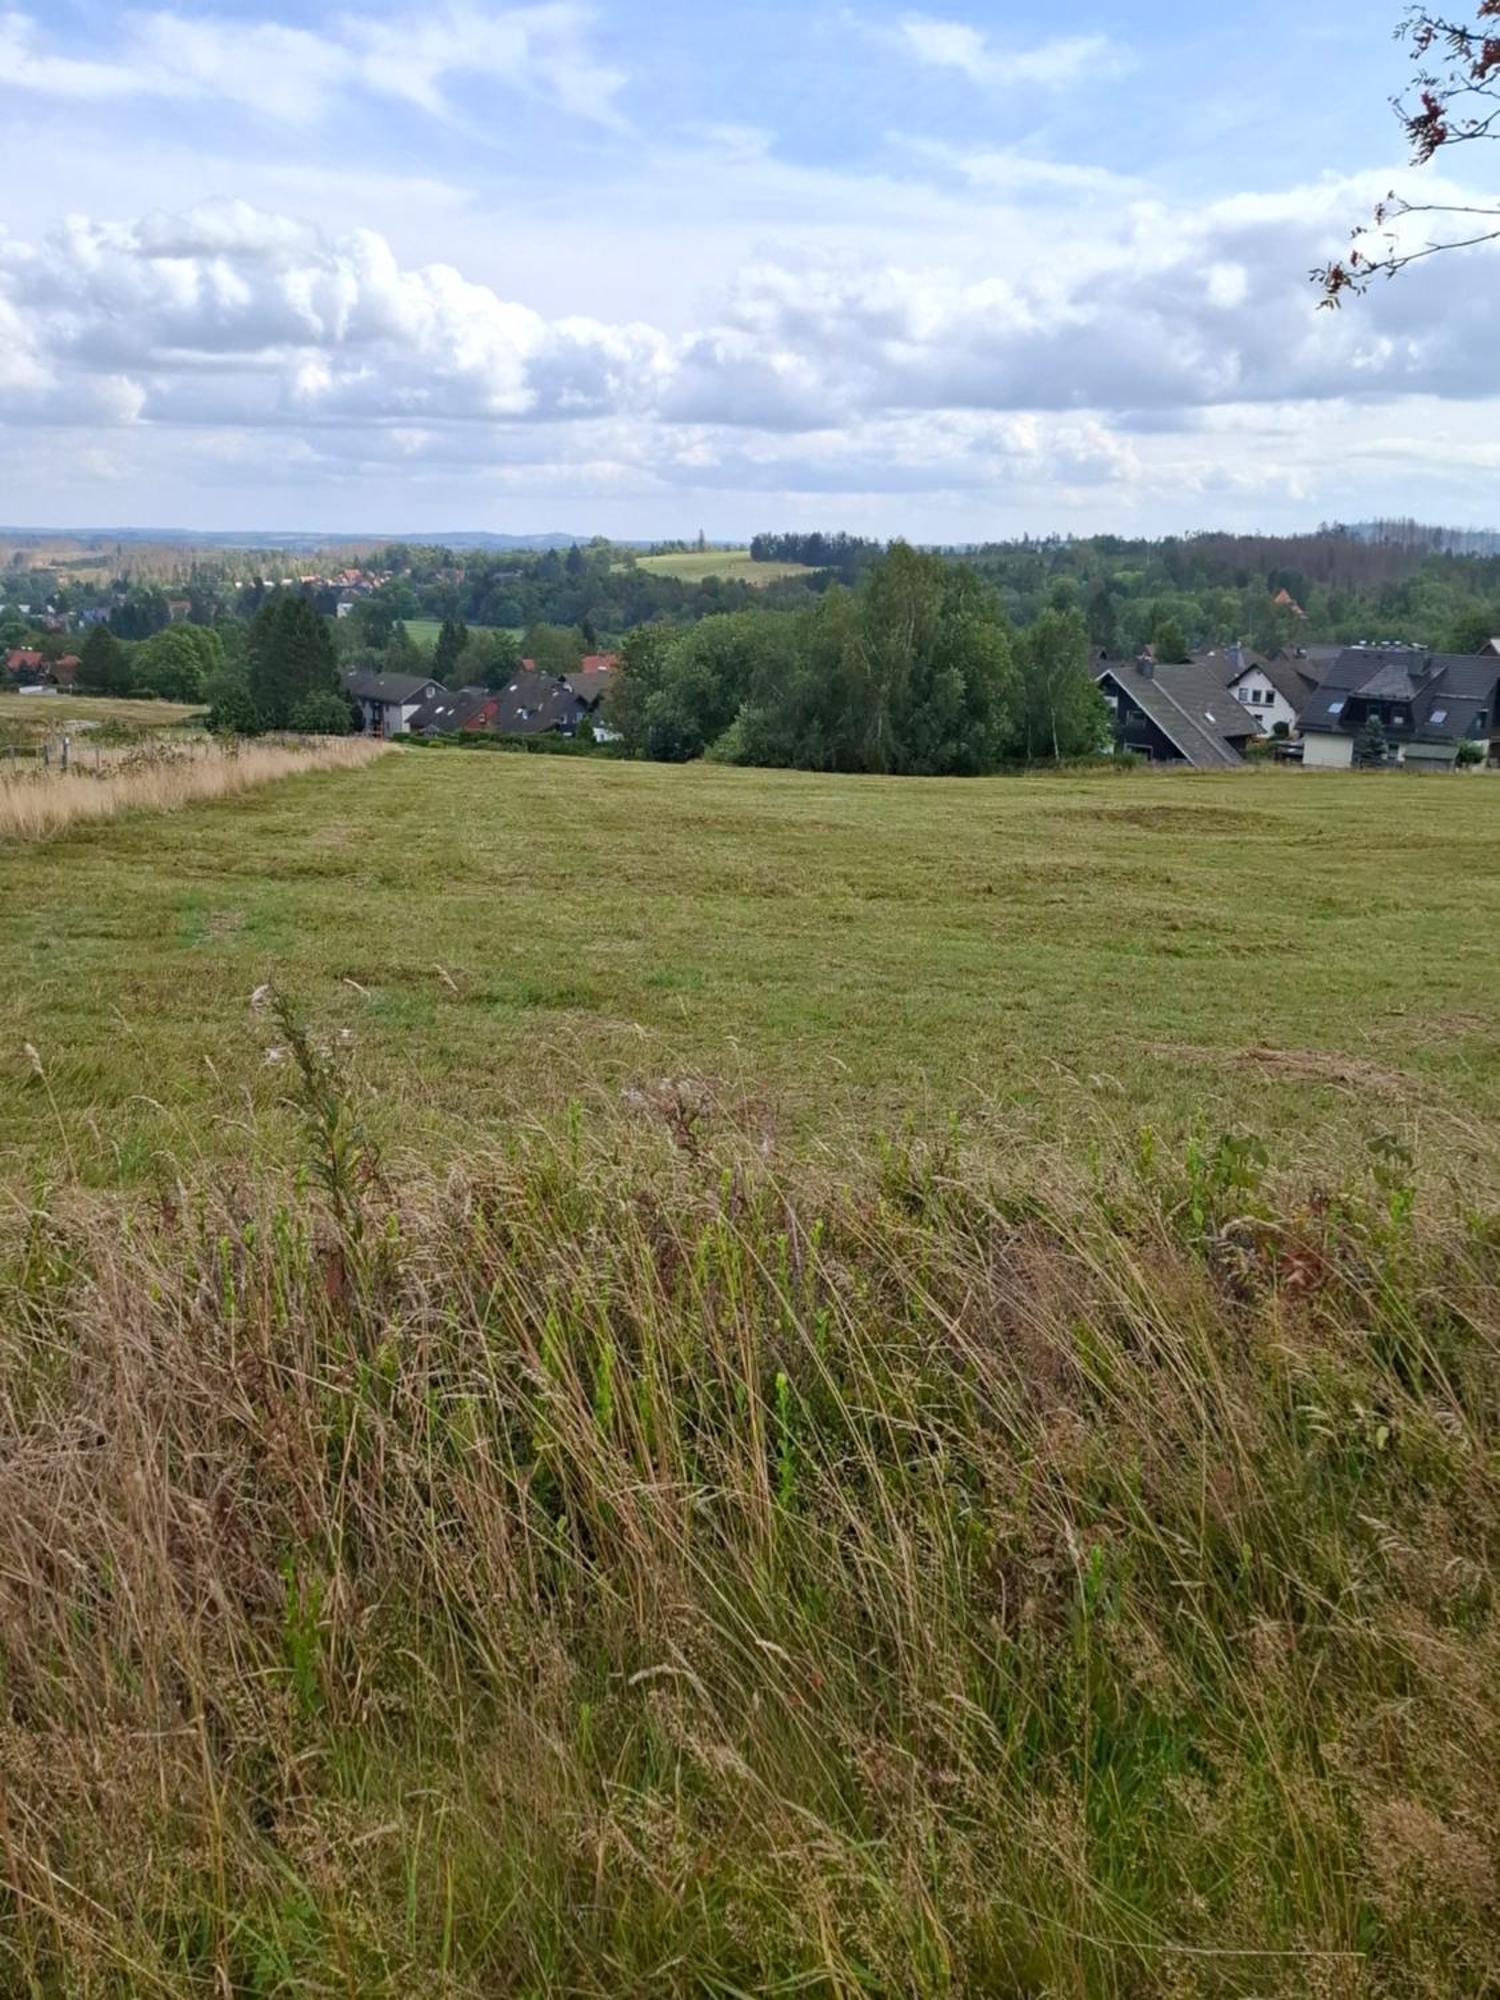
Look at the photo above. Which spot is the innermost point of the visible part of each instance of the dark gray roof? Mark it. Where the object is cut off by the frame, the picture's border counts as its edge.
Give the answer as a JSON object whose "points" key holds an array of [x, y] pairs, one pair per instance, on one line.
{"points": [[1291, 681], [1190, 705], [1230, 661], [391, 688], [446, 713], [535, 702], [1447, 695]]}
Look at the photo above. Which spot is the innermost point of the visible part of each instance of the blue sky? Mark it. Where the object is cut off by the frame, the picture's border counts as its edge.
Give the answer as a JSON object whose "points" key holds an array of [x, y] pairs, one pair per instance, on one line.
{"points": [[955, 271]]}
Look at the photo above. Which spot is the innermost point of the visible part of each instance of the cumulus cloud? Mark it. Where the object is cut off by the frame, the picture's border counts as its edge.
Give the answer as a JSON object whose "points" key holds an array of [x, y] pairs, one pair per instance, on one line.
{"points": [[227, 314], [1145, 353], [292, 74]]}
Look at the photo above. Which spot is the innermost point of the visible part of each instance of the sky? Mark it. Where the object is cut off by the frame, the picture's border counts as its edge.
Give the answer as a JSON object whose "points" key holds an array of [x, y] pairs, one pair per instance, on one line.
{"points": [[643, 268]]}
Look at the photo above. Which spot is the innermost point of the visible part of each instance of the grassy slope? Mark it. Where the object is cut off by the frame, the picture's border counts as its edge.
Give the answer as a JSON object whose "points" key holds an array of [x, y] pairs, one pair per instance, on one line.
{"points": [[1306, 955], [732, 565], [624, 1563], [24, 715]]}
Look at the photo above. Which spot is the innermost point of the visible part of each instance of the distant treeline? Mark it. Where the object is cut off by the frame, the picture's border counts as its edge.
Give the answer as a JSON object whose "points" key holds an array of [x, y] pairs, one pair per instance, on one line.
{"points": [[847, 555], [1390, 580]]}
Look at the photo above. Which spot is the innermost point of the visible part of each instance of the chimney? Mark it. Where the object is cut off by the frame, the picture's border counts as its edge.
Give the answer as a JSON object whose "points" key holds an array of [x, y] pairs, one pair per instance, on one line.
{"points": [[1145, 664]]}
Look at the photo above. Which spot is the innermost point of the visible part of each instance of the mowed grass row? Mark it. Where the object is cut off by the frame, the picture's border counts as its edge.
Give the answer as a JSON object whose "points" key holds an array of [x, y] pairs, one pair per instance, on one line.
{"points": [[1047, 960]]}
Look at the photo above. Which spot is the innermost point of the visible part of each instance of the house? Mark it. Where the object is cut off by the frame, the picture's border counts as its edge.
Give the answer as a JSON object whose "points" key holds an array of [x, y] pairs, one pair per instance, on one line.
{"points": [[1427, 704], [387, 702], [1275, 691], [466, 713], [24, 664], [536, 703], [1175, 714], [592, 681]]}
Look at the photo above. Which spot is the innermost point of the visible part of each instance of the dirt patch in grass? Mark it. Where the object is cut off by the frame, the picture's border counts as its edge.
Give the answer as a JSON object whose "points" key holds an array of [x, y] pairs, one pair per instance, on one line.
{"points": [[1300, 1066], [1168, 818]]}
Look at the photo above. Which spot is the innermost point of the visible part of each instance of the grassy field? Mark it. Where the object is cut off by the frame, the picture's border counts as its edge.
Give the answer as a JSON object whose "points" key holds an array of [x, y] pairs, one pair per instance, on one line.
{"points": [[425, 631], [27, 717], [640, 1381], [1305, 955], [731, 565]]}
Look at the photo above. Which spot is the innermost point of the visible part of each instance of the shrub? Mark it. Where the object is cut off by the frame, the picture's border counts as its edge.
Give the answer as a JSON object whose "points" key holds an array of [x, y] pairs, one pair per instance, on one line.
{"points": [[324, 713]]}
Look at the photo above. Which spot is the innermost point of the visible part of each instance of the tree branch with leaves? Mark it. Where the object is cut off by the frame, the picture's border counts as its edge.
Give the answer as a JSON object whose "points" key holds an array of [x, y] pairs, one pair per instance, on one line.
{"points": [[1455, 101]]}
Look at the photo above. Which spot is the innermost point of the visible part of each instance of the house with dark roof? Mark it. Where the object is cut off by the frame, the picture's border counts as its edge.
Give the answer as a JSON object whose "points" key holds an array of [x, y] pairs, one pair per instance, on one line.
{"points": [[467, 713], [535, 704], [1274, 690], [1427, 704], [387, 702], [1175, 714]]}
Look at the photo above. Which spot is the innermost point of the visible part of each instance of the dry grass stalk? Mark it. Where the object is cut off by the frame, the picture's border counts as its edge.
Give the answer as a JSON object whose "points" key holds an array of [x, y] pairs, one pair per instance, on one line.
{"points": [[614, 1569], [44, 800]]}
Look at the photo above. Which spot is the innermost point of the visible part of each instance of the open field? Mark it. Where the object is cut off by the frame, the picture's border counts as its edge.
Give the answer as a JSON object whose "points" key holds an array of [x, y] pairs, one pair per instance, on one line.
{"points": [[425, 631], [731, 565], [25, 717], [1046, 959], [723, 1404]]}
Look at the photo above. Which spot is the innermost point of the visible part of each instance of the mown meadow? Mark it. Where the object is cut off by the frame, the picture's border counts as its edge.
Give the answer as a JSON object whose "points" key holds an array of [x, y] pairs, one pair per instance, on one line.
{"points": [[644, 1381]]}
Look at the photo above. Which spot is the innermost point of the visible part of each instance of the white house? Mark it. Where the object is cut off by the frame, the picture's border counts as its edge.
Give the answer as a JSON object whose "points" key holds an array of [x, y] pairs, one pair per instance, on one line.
{"points": [[1274, 691], [387, 702]]}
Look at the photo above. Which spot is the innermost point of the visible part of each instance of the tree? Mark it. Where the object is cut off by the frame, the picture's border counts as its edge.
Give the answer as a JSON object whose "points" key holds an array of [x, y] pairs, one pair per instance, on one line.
{"points": [[174, 664], [556, 649], [144, 611], [1372, 748], [323, 713], [490, 659], [1471, 629], [103, 664], [1456, 102], [1063, 713], [231, 706], [1104, 625], [1170, 646], [291, 656], [452, 640]]}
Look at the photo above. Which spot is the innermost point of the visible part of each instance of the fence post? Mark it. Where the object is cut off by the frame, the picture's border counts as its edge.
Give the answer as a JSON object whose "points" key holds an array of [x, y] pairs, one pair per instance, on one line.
{"points": [[65, 753]]}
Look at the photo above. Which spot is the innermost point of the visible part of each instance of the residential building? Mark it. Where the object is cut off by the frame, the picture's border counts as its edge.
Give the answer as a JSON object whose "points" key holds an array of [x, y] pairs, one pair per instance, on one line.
{"points": [[468, 712], [1175, 714], [387, 702], [1427, 704], [536, 703], [1274, 691]]}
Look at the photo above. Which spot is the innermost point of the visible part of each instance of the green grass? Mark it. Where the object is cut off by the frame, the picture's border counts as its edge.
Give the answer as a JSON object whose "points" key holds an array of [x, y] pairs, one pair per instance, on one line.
{"points": [[730, 565], [1048, 958], [425, 631], [25, 716], [725, 1402]]}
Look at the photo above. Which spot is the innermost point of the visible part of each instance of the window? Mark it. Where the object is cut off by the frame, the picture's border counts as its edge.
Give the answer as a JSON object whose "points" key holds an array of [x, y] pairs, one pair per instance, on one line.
{"points": [[1440, 715], [1336, 707], [1243, 693]]}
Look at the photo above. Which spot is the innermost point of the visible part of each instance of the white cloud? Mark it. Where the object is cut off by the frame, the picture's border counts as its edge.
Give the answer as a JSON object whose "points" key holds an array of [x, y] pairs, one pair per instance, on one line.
{"points": [[1179, 354], [292, 74], [1049, 65]]}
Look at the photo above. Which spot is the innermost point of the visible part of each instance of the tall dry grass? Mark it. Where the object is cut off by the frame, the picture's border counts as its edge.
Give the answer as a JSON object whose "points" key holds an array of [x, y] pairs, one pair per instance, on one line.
{"points": [[37, 800], [618, 1569]]}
